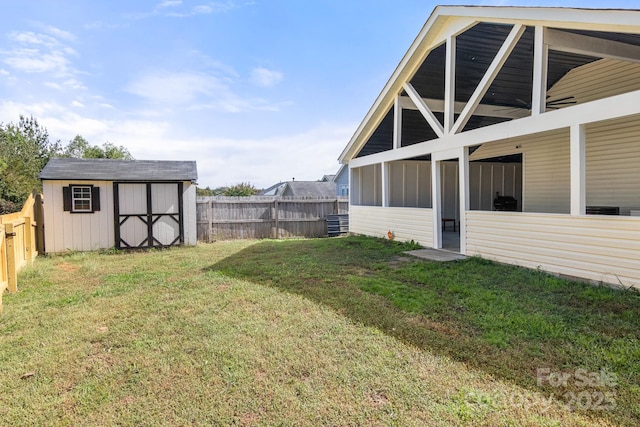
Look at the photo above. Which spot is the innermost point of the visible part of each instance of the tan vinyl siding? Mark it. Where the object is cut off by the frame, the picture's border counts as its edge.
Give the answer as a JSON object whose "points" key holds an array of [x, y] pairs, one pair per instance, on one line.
{"points": [[405, 223], [545, 168], [65, 231], [613, 164], [598, 248], [597, 80]]}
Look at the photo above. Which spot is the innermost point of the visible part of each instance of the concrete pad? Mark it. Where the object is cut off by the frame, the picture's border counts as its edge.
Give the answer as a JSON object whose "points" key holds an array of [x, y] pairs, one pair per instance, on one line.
{"points": [[435, 254]]}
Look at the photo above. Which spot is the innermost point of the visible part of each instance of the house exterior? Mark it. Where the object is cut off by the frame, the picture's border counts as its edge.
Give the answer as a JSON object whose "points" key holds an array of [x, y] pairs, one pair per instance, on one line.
{"points": [[537, 107], [341, 178], [92, 204]]}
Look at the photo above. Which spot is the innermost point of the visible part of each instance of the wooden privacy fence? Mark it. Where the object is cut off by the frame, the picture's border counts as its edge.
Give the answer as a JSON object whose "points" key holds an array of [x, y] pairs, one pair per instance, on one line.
{"points": [[21, 237], [260, 217]]}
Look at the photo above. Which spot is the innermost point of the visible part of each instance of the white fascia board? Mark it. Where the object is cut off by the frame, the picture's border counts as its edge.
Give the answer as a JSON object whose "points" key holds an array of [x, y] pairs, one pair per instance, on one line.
{"points": [[627, 104], [619, 20]]}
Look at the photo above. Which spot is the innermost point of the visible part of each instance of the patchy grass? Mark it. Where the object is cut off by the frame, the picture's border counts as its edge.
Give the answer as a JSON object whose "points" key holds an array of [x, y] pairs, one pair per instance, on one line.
{"points": [[341, 331]]}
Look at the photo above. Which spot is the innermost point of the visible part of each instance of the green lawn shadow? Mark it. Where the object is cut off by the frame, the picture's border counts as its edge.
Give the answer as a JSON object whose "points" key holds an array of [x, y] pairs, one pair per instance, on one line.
{"points": [[506, 321]]}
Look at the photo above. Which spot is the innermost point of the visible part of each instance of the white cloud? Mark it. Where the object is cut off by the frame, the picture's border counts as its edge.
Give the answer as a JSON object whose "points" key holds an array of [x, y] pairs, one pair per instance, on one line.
{"points": [[168, 3], [264, 77], [38, 53], [4, 72], [221, 161], [175, 88], [198, 91], [101, 25], [77, 104], [59, 33]]}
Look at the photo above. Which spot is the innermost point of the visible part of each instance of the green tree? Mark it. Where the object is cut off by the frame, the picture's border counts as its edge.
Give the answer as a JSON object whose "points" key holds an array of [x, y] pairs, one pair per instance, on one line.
{"points": [[24, 150], [242, 189], [80, 148]]}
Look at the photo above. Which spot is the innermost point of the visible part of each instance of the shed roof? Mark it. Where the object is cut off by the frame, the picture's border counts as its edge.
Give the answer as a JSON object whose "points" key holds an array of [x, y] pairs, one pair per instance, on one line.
{"points": [[120, 170]]}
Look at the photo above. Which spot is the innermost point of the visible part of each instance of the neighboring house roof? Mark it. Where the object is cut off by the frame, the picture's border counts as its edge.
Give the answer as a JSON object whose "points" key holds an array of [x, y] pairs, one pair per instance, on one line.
{"points": [[574, 37], [328, 178], [274, 190], [119, 170], [308, 189]]}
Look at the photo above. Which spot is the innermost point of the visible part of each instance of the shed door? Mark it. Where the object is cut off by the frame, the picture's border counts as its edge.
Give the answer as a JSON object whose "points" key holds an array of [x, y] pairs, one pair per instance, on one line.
{"points": [[148, 214]]}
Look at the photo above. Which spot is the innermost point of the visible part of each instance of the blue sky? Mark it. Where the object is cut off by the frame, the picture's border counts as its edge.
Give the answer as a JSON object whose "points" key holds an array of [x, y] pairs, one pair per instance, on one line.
{"points": [[255, 91]]}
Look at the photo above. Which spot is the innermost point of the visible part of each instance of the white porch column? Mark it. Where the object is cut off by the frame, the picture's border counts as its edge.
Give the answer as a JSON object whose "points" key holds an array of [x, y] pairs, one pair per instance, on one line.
{"points": [[578, 170], [436, 203], [540, 64], [450, 85], [352, 193], [463, 169], [397, 123], [384, 167]]}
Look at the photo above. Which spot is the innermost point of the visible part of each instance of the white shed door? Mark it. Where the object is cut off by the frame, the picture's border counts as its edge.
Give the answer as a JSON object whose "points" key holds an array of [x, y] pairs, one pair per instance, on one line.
{"points": [[148, 214]]}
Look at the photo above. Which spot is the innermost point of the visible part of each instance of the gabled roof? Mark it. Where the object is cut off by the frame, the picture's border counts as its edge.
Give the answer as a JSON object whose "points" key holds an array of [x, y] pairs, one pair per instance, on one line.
{"points": [[119, 170], [274, 190], [484, 28]]}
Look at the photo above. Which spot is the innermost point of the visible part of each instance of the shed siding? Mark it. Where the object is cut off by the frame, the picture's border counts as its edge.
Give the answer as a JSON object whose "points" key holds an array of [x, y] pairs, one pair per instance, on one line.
{"points": [[598, 248], [189, 215], [78, 232], [405, 223]]}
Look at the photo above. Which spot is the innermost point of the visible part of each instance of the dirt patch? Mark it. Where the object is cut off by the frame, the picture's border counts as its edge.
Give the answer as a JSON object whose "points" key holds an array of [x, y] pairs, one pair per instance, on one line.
{"points": [[69, 268], [378, 398]]}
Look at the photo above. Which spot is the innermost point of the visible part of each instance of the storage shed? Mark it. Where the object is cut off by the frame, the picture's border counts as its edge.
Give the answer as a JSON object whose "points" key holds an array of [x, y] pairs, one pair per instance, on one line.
{"points": [[94, 204]]}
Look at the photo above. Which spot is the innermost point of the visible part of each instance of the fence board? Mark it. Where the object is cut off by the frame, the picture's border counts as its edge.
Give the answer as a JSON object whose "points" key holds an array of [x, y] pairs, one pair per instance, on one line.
{"points": [[228, 218], [19, 242]]}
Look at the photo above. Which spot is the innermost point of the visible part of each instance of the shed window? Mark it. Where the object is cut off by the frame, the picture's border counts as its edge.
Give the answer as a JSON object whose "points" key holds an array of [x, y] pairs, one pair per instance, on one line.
{"points": [[81, 198]]}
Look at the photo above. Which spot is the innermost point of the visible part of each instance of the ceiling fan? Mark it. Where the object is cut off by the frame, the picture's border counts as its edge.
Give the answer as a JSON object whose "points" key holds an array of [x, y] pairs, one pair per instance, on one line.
{"points": [[551, 104]]}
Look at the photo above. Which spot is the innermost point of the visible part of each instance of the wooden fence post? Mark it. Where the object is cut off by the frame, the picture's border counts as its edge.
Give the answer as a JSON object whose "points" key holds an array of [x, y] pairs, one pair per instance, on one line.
{"points": [[38, 216], [210, 215], [276, 208], [11, 258]]}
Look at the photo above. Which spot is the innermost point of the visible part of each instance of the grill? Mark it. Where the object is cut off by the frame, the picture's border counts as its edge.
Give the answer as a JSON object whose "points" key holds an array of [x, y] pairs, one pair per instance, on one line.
{"points": [[505, 203]]}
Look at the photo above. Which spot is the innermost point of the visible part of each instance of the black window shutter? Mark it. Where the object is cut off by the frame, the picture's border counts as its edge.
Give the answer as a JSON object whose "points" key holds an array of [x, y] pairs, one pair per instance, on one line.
{"points": [[66, 198], [95, 198]]}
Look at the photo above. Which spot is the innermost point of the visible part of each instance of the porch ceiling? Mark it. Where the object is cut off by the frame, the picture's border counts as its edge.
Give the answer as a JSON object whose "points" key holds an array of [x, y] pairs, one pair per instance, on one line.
{"points": [[510, 94]]}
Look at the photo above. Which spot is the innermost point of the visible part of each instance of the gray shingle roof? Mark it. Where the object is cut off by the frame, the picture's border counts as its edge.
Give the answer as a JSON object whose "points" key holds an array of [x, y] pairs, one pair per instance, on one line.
{"points": [[119, 170], [310, 189]]}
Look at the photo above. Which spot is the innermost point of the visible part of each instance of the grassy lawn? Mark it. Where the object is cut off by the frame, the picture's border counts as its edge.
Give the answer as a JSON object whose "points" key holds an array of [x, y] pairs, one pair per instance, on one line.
{"points": [[345, 331]]}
